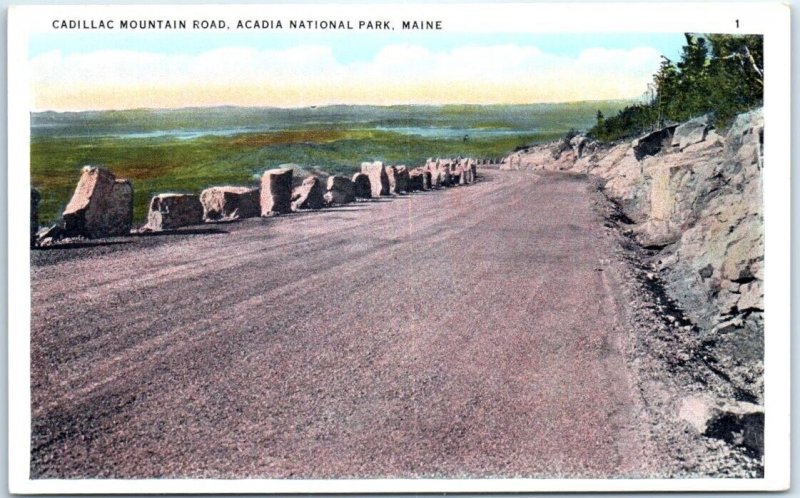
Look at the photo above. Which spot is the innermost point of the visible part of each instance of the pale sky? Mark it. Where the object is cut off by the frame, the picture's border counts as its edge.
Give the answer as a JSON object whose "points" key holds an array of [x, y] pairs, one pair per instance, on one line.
{"points": [[70, 74]]}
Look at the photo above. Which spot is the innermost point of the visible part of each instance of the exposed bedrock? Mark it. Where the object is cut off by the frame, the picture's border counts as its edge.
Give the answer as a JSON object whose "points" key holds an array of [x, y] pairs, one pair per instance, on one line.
{"points": [[695, 197]]}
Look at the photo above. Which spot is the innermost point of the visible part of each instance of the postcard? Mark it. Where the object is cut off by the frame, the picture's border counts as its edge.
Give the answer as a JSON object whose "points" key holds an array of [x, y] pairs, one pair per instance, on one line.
{"points": [[398, 247]]}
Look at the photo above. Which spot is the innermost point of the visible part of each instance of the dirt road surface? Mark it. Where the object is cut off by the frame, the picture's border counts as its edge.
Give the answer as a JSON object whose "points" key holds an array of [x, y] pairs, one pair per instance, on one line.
{"points": [[470, 332]]}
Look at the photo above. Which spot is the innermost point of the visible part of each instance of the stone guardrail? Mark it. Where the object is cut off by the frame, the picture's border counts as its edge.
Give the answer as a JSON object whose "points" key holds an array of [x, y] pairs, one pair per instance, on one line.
{"points": [[102, 204]]}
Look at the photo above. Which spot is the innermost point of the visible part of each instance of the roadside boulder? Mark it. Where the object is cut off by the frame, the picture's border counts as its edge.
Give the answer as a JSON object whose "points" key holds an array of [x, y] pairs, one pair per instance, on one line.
{"points": [[341, 190], [436, 181], [309, 195], [49, 235], [401, 179], [35, 198], [462, 174], [391, 174], [445, 178], [102, 205], [230, 203], [169, 211], [416, 180], [466, 169], [276, 192], [378, 178], [361, 186], [455, 174]]}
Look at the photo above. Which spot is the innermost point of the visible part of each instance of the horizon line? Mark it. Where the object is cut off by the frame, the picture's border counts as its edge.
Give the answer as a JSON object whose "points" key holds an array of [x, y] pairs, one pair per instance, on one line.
{"points": [[322, 106]]}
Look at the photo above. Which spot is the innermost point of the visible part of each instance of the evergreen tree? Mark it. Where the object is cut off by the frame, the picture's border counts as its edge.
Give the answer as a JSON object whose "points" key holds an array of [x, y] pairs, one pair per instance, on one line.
{"points": [[719, 74]]}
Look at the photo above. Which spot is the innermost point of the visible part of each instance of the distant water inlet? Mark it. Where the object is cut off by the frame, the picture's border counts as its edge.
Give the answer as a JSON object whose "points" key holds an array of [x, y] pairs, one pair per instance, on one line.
{"points": [[444, 133], [456, 133]]}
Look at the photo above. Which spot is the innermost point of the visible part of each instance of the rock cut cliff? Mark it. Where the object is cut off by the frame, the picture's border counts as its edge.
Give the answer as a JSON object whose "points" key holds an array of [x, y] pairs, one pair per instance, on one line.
{"points": [[693, 197]]}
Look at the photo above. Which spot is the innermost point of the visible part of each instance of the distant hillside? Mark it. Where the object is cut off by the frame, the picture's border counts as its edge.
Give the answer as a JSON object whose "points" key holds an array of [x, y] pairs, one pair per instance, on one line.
{"points": [[544, 117]]}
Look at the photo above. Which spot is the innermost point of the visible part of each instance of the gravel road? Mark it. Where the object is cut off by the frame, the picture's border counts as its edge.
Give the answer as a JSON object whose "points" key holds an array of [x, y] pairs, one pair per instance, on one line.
{"points": [[472, 332]]}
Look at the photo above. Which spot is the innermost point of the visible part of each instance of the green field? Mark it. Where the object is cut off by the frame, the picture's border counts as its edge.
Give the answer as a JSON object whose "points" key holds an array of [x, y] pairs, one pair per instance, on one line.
{"points": [[186, 150]]}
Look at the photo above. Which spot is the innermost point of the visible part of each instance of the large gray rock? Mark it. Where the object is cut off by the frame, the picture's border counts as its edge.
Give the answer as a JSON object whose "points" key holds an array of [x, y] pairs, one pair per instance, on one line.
{"points": [[578, 143], [445, 178], [276, 192], [737, 422], [35, 198], [675, 187], [436, 179], [341, 190], [691, 132], [49, 235], [361, 186], [378, 179], [625, 183], [230, 203], [309, 195], [466, 171], [401, 179], [456, 178], [101, 206], [651, 143], [745, 140], [461, 173], [170, 211], [416, 179], [391, 175]]}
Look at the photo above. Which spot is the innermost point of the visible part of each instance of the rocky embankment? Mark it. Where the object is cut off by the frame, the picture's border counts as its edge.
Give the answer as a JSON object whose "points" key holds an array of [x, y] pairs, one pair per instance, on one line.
{"points": [[691, 200]]}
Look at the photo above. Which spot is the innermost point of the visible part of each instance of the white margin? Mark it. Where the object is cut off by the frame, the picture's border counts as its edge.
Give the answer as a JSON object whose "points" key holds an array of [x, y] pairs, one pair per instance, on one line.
{"points": [[19, 282], [770, 19]]}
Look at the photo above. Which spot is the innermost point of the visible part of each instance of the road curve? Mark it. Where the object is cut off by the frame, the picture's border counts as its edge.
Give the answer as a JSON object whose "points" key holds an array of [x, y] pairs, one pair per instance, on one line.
{"points": [[470, 332]]}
